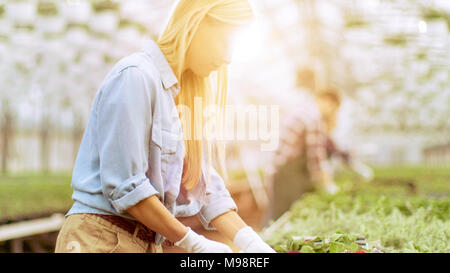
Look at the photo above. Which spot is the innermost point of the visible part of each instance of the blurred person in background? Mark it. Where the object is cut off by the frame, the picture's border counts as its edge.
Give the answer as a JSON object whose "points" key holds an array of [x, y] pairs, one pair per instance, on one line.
{"points": [[300, 162], [136, 177], [329, 103]]}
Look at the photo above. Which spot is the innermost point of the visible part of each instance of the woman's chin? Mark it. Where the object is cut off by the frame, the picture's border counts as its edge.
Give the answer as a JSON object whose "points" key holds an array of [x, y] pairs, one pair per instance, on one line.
{"points": [[203, 73]]}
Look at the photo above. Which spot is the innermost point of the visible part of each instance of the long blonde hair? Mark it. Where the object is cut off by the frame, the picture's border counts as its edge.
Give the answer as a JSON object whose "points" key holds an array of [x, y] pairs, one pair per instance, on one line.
{"points": [[174, 43]]}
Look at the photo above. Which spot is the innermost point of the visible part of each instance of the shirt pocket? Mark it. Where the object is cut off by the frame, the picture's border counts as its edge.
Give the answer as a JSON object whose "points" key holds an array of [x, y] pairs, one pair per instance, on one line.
{"points": [[170, 157], [169, 142]]}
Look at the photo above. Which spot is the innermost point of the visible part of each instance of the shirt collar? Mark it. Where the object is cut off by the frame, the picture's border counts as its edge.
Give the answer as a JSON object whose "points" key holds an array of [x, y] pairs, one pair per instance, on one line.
{"points": [[168, 78]]}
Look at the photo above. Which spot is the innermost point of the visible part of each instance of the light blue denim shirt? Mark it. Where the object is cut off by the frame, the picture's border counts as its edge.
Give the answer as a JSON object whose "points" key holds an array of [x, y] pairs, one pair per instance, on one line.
{"points": [[132, 147]]}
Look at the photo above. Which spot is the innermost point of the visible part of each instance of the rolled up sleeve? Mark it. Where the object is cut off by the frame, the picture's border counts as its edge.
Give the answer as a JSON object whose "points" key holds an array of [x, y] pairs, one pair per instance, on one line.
{"points": [[123, 127], [218, 200]]}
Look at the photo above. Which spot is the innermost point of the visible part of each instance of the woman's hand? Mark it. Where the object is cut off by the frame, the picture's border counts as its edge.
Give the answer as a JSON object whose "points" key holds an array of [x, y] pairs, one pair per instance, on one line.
{"points": [[234, 228], [250, 242], [195, 243]]}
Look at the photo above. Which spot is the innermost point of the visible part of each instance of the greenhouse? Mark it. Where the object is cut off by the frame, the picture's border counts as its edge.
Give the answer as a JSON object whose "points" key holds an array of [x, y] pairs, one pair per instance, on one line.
{"points": [[336, 118]]}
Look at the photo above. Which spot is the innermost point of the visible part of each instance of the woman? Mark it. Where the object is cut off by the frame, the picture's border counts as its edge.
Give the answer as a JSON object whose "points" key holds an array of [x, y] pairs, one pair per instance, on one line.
{"points": [[135, 176]]}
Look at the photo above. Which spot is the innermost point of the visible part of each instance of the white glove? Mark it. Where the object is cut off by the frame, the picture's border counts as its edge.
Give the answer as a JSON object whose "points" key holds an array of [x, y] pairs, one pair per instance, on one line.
{"points": [[331, 188], [363, 170], [195, 243], [250, 242]]}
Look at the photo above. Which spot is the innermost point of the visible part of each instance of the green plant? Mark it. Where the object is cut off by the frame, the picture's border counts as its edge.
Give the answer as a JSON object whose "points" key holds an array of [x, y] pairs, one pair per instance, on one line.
{"points": [[355, 21], [431, 14], [105, 5], [127, 23], [47, 8], [392, 214], [2, 10], [396, 40], [30, 195]]}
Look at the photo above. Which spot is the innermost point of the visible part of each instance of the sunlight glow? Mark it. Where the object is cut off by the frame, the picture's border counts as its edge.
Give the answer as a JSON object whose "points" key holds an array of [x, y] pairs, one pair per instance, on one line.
{"points": [[249, 43], [422, 27]]}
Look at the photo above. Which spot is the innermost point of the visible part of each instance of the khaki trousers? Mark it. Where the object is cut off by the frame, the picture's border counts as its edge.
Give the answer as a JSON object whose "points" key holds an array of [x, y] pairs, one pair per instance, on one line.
{"points": [[87, 233]]}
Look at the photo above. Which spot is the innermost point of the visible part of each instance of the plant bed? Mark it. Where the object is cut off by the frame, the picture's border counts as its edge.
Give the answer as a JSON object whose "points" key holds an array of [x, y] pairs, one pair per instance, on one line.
{"points": [[386, 212], [32, 195], [336, 243]]}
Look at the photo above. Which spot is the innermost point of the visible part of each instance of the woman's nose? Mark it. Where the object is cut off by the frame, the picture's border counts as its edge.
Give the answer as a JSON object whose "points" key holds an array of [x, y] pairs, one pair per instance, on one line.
{"points": [[227, 57]]}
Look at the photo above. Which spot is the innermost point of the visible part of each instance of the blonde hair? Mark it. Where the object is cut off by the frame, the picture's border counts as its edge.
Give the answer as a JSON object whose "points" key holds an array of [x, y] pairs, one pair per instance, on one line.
{"points": [[174, 43]]}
